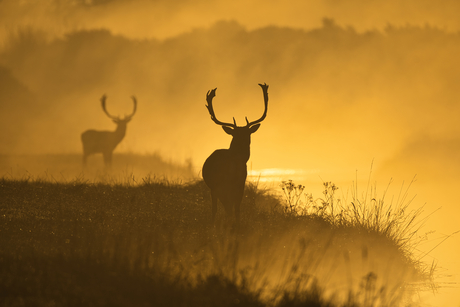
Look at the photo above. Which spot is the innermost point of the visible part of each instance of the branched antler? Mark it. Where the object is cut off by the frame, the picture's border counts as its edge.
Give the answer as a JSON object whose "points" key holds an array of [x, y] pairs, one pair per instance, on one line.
{"points": [[103, 100], [265, 91], [127, 117], [209, 96], [212, 93], [134, 109]]}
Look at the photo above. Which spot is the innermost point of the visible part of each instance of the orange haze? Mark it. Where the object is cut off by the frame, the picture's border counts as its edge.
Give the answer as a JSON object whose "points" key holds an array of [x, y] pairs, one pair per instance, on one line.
{"points": [[351, 82]]}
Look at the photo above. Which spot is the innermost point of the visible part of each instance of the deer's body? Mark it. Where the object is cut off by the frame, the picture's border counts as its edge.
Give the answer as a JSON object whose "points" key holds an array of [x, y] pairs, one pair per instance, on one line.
{"points": [[105, 142], [225, 170], [227, 184]]}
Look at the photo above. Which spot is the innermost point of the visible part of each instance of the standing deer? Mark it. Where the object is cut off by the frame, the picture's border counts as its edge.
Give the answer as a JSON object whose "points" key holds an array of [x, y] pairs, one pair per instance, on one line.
{"points": [[105, 141], [225, 170]]}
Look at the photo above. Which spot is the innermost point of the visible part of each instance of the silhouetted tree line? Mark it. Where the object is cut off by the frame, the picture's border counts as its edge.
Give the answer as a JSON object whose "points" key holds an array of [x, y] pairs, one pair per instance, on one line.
{"points": [[86, 60]]}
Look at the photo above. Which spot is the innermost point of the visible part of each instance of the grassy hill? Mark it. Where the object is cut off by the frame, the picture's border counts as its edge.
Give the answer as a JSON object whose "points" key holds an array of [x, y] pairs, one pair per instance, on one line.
{"points": [[150, 243]]}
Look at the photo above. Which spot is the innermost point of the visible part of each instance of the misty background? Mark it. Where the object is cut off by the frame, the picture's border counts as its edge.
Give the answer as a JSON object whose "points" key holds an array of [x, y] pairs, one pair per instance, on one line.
{"points": [[351, 83], [337, 97]]}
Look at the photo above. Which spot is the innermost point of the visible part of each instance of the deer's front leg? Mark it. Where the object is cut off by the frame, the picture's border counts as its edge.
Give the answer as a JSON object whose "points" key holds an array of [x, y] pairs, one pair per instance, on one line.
{"points": [[107, 159]]}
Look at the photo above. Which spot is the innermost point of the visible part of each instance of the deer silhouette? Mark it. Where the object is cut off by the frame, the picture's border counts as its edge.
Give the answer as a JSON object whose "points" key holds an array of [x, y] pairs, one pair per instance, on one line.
{"points": [[105, 141], [225, 170]]}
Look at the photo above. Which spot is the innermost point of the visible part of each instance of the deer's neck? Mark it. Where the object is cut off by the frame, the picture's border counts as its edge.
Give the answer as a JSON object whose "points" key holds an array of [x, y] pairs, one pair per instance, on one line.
{"points": [[241, 149], [120, 132]]}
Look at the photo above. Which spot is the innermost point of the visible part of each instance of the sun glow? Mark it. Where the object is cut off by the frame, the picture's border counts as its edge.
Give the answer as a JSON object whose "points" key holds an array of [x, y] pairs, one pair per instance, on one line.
{"points": [[278, 174]]}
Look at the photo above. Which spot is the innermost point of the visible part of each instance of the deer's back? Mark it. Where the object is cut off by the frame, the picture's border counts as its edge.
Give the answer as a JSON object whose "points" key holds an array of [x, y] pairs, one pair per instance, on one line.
{"points": [[98, 141]]}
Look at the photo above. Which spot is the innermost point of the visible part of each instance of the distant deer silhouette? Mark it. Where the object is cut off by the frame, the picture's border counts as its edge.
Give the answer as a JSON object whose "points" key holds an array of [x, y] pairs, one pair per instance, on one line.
{"points": [[105, 141], [225, 170]]}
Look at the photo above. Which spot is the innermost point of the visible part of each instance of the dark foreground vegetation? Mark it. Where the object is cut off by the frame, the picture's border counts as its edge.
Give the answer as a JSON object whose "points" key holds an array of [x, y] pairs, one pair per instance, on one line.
{"points": [[150, 243]]}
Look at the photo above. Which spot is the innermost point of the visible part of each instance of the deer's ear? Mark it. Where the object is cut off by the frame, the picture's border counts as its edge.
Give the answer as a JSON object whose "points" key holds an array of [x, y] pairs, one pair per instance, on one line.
{"points": [[228, 130], [254, 128]]}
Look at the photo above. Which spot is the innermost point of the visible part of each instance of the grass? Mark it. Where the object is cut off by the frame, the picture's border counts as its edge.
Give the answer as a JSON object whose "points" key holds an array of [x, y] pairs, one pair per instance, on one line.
{"points": [[393, 220], [149, 242]]}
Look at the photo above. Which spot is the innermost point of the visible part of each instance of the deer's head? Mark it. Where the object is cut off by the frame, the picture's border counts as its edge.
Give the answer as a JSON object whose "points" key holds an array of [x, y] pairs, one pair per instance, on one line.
{"points": [[118, 120], [241, 135]]}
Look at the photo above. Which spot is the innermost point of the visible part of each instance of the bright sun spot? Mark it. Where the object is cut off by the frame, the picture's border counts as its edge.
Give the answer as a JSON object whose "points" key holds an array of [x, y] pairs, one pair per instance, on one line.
{"points": [[276, 174]]}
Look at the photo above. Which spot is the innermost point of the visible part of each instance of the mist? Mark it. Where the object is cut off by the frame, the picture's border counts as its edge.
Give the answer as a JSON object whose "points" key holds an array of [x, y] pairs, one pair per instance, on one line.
{"points": [[351, 84], [333, 90]]}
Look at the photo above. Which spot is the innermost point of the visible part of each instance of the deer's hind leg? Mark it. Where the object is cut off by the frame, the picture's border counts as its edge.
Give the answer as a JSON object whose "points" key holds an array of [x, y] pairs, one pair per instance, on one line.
{"points": [[237, 201]]}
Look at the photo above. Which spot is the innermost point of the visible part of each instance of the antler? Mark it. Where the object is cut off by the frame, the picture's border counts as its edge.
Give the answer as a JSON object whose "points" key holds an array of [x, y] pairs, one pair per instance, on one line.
{"points": [[265, 90], [103, 99], [209, 96], [127, 117], [134, 110]]}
